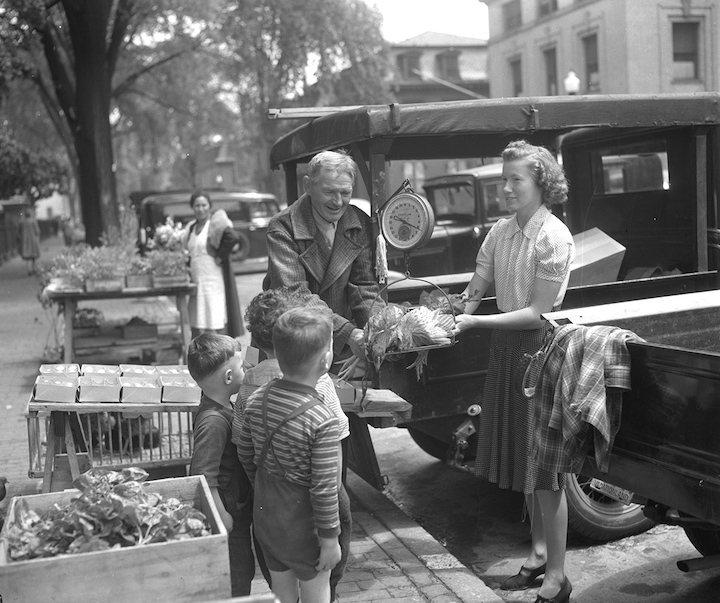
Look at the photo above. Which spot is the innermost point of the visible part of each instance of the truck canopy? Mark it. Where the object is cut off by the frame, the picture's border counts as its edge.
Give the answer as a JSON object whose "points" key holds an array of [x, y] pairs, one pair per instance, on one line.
{"points": [[450, 129]]}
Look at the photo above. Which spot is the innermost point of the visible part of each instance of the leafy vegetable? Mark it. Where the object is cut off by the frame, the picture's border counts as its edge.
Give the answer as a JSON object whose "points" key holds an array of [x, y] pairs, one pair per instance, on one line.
{"points": [[395, 328], [112, 511]]}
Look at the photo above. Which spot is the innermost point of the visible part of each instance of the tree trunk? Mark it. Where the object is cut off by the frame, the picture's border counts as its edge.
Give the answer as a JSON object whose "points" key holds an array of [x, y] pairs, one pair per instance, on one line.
{"points": [[88, 22]]}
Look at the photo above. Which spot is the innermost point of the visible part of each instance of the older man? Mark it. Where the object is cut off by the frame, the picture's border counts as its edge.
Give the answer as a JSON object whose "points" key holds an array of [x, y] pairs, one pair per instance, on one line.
{"points": [[323, 243]]}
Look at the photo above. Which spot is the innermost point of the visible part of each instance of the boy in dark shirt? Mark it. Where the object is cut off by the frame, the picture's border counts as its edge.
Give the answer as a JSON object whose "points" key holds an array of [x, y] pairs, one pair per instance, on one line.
{"points": [[215, 362]]}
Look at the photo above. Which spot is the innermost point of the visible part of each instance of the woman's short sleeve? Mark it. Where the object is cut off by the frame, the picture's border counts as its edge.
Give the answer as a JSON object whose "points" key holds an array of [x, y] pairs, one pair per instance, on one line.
{"points": [[555, 252], [485, 260]]}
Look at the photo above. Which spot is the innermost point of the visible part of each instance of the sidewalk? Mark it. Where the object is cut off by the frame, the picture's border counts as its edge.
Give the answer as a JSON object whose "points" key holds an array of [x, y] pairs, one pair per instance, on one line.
{"points": [[392, 559]]}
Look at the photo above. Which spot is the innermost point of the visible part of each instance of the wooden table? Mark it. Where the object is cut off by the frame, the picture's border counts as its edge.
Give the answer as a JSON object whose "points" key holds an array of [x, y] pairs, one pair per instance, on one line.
{"points": [[60, 434], [70, 299]]}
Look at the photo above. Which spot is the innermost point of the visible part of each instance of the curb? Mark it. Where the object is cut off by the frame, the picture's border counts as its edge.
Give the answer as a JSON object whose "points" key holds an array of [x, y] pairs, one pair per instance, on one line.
{"points": [[418, 552]]}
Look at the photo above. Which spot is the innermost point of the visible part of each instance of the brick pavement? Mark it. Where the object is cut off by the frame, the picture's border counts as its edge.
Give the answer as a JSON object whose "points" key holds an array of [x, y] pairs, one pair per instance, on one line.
{"points": [[392, 559]]}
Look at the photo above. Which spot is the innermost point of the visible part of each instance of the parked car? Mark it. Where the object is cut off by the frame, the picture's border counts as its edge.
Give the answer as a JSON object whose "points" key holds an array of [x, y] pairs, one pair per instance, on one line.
{"points": [[250, 212]]}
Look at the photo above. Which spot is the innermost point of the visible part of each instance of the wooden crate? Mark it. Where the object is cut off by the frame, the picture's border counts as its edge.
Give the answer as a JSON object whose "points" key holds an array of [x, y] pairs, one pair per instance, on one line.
{"points": [[196, 569]]}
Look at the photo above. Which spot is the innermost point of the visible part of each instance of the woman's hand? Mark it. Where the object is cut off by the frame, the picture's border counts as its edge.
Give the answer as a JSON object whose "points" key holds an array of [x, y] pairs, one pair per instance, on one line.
{"points": [[463, 322]]}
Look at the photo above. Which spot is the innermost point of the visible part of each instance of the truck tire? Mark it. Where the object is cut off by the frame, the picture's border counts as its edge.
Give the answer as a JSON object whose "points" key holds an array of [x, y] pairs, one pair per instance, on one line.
{"points": [[707, 542], [433, 446], [596, 516], [590, 514]]}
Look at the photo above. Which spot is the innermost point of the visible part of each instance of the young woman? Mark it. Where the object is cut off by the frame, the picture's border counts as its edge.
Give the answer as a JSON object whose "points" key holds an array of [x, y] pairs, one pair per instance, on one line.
{"points": [[528, 258]]}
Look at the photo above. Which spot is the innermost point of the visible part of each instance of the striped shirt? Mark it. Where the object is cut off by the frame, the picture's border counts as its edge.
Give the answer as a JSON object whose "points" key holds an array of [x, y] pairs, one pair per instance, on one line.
{"points": [[306, 446], [513, 258], [266, 371]]}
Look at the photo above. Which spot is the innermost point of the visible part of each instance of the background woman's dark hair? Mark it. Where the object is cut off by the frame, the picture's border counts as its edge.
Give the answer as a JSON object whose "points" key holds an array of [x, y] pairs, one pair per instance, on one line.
{"points": [[196, 195]]}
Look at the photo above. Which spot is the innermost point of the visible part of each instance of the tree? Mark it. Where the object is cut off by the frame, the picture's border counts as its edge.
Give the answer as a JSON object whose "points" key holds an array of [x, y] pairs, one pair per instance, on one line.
{"points": [[285, 53], [71, 50], [25, 172]]}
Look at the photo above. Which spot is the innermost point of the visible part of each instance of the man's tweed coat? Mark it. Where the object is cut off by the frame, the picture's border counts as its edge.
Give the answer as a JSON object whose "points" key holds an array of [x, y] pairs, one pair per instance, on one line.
{"points": [[343, 278]]}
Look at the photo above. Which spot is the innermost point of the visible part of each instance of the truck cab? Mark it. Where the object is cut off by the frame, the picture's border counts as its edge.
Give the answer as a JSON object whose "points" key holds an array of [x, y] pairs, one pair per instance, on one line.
{"points": [[643, 171]]}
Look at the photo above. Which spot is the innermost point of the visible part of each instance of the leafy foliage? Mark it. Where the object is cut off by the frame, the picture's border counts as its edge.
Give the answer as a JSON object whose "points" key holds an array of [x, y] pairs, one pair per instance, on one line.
{"points": [[112, 511], [26, 172]]}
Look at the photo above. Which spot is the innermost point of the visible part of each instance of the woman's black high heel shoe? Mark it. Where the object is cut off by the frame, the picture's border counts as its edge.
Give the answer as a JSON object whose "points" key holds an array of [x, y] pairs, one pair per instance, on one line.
{"points": [[523, 579], [563, 595]]}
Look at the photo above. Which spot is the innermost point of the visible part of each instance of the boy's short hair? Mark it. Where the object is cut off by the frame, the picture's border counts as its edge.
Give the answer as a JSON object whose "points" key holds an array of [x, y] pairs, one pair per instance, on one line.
{"points": [[209, 352], [266, 307], [300, 335]]}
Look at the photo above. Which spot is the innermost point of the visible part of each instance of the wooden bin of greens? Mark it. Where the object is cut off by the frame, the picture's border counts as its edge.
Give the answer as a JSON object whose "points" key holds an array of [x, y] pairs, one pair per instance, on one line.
{"points": [[191, 569]]}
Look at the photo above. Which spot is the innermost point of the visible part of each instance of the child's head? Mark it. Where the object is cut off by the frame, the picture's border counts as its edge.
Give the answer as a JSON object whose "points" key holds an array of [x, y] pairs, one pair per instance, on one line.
{"points": [[215, 362], [302, 338], [264, 310]]}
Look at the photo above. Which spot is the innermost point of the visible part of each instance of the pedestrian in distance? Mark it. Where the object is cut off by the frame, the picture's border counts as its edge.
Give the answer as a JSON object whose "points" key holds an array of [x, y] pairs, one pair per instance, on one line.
{"points": [[528, 257], [288, 447], [261, 315], [29, 238], [210, 239], [215, 362]]}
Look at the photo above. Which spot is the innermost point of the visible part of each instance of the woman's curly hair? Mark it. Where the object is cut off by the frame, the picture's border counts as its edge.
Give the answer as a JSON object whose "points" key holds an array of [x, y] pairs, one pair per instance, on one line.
{"points": [[548, 174]]}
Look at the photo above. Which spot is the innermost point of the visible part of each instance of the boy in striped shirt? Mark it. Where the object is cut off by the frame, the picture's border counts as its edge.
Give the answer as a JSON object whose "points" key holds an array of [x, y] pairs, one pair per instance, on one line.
{"points": [[288, 447]]}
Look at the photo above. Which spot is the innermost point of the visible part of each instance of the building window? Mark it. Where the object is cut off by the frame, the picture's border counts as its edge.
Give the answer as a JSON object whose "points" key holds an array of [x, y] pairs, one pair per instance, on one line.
{"points": [[551, 76], [446, 65], [408, 65], [545, 7], [686, 44], [512, 15], [516, 75], [592, 65]]}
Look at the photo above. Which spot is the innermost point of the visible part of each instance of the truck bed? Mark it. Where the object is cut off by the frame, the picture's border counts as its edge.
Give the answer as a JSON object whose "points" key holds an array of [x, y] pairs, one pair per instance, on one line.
{"points": [[667, 449]]}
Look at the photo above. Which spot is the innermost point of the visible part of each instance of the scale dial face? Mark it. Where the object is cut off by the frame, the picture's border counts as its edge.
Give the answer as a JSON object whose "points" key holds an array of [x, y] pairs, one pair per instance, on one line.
{"points": [[407, 221]]}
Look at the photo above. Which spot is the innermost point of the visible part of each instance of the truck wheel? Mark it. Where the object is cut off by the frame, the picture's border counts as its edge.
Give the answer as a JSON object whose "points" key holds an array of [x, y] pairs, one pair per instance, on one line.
{"points": [[594, 515], [429, 444], [707, 542]]}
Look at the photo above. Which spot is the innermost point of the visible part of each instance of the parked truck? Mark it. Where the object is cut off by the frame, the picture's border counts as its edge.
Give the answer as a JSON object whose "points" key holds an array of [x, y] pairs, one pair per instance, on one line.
{"points": [[645, 172]]}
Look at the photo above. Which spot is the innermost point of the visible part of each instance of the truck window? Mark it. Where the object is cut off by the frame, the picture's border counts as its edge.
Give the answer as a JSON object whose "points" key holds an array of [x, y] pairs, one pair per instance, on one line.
{"points": [[638, 168]]}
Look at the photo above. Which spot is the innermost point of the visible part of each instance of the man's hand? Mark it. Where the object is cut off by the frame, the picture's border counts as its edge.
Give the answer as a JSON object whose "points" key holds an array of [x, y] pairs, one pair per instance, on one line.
{"points": [[329, 554], [357, 343]]}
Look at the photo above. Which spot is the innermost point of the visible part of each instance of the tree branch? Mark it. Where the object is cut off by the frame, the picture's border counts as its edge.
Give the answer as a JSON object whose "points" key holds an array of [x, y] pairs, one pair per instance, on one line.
{"points": [[123, 16], [125, 85]]}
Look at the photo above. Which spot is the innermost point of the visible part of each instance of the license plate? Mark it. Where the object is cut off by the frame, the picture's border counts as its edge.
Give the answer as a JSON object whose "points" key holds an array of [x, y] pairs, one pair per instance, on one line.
{"points": [[619, 494]]}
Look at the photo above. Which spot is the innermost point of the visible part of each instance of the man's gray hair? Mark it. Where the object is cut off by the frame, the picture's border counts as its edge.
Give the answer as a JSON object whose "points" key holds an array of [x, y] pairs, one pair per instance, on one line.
{"points": [[339, 161]]}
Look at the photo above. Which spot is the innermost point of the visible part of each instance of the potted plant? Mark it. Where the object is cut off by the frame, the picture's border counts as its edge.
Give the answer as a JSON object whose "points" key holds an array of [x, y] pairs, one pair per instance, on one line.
{"points": [[65, 271], [102, 269], [169, 268], [139, 273]]}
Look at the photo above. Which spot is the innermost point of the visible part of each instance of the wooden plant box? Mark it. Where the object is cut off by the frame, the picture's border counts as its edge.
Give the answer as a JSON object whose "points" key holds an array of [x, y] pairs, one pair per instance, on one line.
{"points": [[106, 284], [160, 281], [196, 569], [139, 281]]}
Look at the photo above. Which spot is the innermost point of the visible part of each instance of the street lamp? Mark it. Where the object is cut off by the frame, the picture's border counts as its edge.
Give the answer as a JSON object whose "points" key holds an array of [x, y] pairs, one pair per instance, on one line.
{"points": [[572, 83]]}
